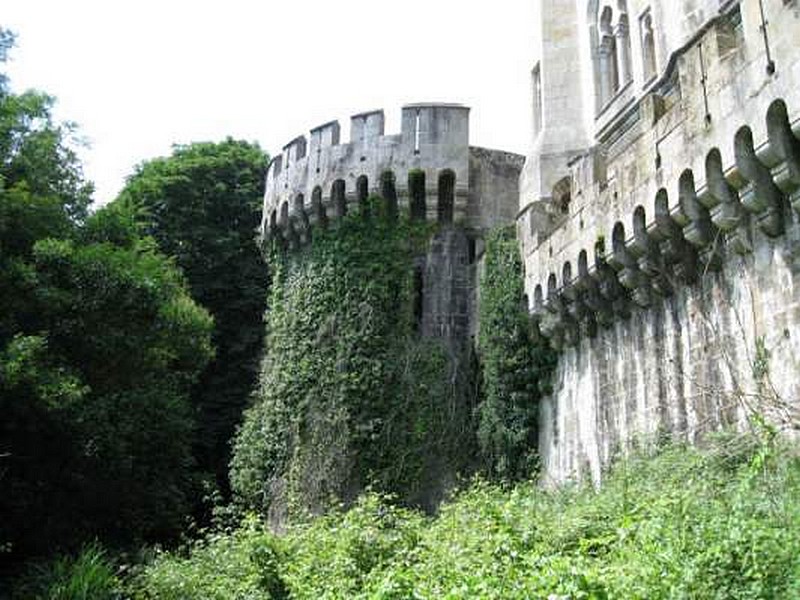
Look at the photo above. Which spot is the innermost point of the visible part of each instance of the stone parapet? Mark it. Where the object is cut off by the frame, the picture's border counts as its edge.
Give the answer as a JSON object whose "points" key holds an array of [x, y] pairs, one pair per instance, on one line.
{"points": [[428, 169]]}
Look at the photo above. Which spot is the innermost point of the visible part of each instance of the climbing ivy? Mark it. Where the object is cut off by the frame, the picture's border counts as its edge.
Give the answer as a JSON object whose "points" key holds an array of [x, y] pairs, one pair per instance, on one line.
{"points": [[516, 365], [349, 394]]}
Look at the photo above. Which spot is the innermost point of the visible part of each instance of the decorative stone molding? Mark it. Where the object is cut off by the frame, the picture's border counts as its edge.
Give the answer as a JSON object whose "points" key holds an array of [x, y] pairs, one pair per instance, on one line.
{"points": [[681, 242]]}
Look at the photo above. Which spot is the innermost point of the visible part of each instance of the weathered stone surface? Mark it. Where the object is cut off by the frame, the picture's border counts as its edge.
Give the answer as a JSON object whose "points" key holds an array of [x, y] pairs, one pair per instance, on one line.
{"points": [[681, 177], [687, 365]]}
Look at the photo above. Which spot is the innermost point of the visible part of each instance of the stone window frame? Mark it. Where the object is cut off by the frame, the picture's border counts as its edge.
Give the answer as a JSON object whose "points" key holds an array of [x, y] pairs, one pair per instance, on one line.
{"points": [[609, 33], [649, 49]]}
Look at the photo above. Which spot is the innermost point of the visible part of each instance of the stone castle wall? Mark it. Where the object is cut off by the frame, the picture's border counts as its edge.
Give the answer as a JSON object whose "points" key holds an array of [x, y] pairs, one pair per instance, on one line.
{"points": [[466, 190], [657, 214], [662, 255], [701, 358]]}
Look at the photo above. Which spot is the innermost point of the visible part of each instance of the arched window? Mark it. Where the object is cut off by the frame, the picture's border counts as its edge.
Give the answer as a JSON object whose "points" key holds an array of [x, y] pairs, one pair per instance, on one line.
{"points": [[389, 192], [362, 188], [536, 81], [609, 78], [618, 238], [284, 214], [639, 220], [623, 38], [611, 48], [566, 274], [362, 193], [317, 208], [648, 47], [338, 198], [416, 194], [583, 264], [552, 287], [447, 185]]}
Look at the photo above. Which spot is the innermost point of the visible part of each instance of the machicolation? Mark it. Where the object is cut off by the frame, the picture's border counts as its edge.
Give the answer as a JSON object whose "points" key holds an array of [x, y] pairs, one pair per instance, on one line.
{"points": [[643, 259]]}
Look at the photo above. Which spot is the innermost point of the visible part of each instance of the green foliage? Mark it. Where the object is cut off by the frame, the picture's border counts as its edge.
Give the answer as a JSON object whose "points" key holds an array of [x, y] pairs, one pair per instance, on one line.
{"points": [[343, 553], [202, 206], [97, 360], [516, 366], [241, 564], [722, 522], [348, 394], [99, 344], [90, 575]]}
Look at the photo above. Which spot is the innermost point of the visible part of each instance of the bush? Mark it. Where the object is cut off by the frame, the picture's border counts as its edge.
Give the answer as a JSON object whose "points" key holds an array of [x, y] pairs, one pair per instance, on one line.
{"points": [[720, 522], [219, 566]]}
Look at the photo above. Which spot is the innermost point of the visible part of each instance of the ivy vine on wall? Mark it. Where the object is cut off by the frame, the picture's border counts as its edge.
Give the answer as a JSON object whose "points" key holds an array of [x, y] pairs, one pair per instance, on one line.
{"points": [[350, 395], [516, 364]]}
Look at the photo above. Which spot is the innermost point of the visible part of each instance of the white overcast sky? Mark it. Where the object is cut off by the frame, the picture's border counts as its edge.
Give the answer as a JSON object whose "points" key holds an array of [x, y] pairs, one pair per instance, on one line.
{"points": [[139, 76]]}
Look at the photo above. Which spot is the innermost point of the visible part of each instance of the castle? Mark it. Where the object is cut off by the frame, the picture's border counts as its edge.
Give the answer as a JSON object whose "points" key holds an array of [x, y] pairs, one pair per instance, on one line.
{"points": [[657, 215]]}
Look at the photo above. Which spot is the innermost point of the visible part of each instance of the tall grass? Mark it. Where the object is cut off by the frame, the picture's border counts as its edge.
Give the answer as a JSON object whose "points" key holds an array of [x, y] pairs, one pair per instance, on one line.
{"points": [[91, 575]]}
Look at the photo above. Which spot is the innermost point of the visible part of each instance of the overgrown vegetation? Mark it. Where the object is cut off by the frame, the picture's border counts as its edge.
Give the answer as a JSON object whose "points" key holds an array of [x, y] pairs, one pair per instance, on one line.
{"points": [[349, 395], [516, 366], [718, 522], [105, 390]]}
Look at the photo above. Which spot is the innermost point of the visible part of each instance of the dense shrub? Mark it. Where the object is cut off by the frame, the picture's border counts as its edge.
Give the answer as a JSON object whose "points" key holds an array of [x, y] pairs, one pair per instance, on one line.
{"points": [[240, 564]]}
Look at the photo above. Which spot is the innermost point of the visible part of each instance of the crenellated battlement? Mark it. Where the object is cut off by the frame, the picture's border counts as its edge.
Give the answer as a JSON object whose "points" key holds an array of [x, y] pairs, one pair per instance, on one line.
{"points": [[428, 170]]}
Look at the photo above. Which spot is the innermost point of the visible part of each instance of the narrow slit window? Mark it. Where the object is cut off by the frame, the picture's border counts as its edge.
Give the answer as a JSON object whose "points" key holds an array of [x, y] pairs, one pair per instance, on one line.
{"points": [[416, 133], [536, 77]]}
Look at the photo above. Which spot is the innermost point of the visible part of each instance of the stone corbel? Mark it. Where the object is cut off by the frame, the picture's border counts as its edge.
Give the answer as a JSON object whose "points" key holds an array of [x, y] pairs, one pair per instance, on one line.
{"points": [[760, 196], [785, 148]]}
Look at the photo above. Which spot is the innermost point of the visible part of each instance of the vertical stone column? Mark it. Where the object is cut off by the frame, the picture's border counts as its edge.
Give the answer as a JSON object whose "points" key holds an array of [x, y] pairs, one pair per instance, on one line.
{"points": [[606, 70], [623, 52]]}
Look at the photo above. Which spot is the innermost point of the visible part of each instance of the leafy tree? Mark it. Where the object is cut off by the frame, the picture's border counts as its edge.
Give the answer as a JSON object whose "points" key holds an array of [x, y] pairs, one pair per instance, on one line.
{"points": [[94, 388], [202, 206], [99, 345]]}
